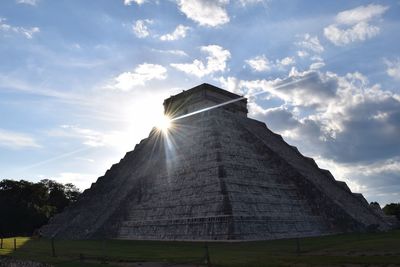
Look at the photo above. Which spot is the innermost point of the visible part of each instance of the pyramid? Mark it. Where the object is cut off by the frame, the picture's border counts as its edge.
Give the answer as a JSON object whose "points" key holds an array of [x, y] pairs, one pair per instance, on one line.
{"points": [[214, 175]]}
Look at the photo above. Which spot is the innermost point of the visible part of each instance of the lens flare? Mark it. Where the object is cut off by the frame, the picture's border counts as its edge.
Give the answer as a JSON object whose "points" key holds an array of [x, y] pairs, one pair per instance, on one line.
{"points": [[164, 124]]}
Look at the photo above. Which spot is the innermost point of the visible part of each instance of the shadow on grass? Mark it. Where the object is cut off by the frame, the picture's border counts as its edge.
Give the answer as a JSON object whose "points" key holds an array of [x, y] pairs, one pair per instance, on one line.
{"points": [[377, 249]]}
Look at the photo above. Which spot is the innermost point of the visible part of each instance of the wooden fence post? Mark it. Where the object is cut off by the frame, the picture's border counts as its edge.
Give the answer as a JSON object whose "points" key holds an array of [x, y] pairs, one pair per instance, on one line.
{"points": [[53, 249], [297, 245], [15, 244], [1, 242], [103, 248], [207, 255]]}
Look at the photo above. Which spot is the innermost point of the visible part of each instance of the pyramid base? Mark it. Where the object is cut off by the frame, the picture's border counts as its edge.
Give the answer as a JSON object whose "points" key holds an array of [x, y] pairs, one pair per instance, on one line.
{"points": [[224, 228]]}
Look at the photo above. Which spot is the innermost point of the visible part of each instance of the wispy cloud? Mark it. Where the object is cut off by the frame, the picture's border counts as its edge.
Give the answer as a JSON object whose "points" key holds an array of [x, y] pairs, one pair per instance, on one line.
{"points": [[178, 33], [171, 52], [393, 68], [287, 61], [10, 29], [16, 140], [250, 2], [302, 53], [259, 63], [310, 43], [215, 61], [262, 63], [361, 13], [129, 2], [142, 74], [317, 65], [355, 25], [89, 137], [140, 28], [28, 2], [9, 82], [359, 32]]}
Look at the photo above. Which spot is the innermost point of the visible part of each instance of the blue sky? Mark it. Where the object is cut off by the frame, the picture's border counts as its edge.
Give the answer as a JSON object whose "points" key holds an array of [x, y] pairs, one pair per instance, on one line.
{"points": [[81, 82]]}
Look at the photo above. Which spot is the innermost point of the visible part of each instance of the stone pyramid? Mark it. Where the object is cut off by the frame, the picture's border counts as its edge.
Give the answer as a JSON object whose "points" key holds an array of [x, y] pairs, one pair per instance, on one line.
{"points": [[215, 175]]}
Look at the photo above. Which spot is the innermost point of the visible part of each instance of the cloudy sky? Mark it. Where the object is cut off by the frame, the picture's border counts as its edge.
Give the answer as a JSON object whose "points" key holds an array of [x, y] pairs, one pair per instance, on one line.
{"points": [[81, 82]]}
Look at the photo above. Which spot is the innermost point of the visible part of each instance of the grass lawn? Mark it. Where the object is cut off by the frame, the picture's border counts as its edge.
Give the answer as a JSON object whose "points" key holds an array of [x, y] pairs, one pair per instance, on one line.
{"points": [[375, 249]]}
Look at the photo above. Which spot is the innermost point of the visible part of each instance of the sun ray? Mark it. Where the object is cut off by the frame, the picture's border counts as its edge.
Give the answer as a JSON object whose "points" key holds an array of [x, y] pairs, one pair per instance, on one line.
{"points": [[164, 124], [234, 100]]}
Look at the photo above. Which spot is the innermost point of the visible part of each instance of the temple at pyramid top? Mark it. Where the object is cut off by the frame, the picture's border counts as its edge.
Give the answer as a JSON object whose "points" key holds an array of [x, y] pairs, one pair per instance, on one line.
{"points": [[204, 96]]}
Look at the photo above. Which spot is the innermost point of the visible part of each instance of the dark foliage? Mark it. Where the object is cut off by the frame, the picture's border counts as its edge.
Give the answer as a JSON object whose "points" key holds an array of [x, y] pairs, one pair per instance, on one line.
{"points": [[392, 209], [25, 206]]}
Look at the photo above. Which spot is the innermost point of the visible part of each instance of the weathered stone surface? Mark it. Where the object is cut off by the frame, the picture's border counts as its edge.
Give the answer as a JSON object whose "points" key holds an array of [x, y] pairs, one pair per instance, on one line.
{"points": [[216, 175]]}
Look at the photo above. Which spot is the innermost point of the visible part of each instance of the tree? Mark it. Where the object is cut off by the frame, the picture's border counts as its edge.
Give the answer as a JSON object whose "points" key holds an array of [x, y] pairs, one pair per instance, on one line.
{"points": [[392, 209], [26, 206]]}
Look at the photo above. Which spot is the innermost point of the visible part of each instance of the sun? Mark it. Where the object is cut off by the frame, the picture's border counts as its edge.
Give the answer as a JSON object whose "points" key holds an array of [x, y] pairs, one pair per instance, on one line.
{"points": [[164, 124]]}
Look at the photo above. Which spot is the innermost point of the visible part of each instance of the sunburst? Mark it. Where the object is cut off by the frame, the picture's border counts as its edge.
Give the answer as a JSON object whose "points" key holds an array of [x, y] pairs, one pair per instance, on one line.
{"points": [[164, 124]]}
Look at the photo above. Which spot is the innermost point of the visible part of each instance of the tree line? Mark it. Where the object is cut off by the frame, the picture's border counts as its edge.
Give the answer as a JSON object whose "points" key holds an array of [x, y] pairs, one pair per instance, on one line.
{"points": [[392, 209], [26, 206]]}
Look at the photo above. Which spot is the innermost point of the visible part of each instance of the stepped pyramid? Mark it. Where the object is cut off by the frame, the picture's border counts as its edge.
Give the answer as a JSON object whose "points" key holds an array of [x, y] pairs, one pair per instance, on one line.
{"points": [[215, 175]]}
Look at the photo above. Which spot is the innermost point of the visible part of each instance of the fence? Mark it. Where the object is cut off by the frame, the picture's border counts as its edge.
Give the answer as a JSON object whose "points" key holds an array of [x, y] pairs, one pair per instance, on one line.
{"points": [[372, 248], [2, 246], [106, 251]]}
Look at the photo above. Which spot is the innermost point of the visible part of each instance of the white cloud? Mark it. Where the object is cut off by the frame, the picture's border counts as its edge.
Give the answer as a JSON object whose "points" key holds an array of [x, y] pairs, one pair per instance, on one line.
{"points": [[129, 2], [378, 181], [171, 52], [259, 63], [209, 13], [262, 63], [140, 28], [141, 74], [28, 2], [393, 68], [342, 121], [310, 43], [354, 25], [231, 84], [250, 2], [359, 32], [16, 140], [316, 58], [215, 61], [317, 65], [390, 165], [361, 13], [344, 117], [178, 33], [302, 53], [287, 61], [306, 89], [27, 32]]}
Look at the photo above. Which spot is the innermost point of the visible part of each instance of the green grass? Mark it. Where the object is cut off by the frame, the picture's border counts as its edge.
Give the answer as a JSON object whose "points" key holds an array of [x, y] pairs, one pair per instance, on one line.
{"points": [[375, 249]]}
